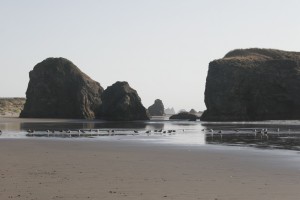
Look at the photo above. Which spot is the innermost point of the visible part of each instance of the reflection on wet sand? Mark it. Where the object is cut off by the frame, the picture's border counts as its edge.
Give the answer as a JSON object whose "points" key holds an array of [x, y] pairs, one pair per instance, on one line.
{"points": [[260, 138], [270, 134]]}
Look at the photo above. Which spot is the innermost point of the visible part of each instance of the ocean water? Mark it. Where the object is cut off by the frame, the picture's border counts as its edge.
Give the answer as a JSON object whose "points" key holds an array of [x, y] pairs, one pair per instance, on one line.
{"points": [[265, 134]]}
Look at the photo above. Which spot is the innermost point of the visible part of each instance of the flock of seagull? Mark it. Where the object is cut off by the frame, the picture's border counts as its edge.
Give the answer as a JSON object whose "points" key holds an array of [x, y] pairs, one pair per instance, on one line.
{"points": [[263, 133], [95, 132]]}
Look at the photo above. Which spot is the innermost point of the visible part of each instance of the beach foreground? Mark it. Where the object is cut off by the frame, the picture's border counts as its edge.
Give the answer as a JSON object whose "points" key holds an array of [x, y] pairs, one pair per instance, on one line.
{"points": [[72, 169]]}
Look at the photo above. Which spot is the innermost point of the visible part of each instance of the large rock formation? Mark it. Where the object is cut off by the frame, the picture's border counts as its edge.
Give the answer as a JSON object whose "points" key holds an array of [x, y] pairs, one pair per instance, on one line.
{"points": [[121, 103], [157, 109], [58, 89], [253, 84]]}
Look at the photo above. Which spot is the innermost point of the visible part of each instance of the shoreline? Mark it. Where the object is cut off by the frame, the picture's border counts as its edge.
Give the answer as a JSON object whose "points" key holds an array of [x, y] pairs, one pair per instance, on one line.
{"points": [[71, 169]]}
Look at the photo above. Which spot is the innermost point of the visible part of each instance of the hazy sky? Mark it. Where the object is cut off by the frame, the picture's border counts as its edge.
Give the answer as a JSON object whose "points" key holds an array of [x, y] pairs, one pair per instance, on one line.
{"points": [[161, 47]]}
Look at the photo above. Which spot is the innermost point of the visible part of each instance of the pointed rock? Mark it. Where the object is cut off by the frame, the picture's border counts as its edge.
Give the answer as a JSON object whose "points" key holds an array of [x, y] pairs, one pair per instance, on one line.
{"points": [[157, 109], [121, 103], [170, 111]]}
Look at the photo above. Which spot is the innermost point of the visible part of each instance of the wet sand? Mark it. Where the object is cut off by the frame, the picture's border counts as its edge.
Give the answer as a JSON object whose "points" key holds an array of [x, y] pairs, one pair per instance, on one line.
{"points": [[72, 169]]}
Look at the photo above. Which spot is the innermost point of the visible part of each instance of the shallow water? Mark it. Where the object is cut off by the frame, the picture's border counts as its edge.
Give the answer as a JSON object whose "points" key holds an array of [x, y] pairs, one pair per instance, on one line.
{"points": [[276, 134]]}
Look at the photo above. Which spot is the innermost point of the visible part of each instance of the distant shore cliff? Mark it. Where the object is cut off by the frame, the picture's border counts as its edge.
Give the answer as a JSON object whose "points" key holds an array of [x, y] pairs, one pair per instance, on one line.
{"points": [[253, 84], [11, 107]]}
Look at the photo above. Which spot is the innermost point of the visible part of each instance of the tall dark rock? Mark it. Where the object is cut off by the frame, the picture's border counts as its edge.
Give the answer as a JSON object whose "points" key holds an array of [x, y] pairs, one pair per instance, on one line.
{"points": [[58, 89], [253, 84], [121, 103], [157, 109]]}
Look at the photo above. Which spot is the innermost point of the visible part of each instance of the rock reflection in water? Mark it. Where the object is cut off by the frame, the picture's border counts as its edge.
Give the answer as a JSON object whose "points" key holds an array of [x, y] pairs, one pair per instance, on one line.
{"points": [[89, 125], [288, 139]]}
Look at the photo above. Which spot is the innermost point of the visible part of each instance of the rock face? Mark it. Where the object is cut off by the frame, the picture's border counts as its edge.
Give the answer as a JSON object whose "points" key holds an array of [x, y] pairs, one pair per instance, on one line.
{"points": [[184, 116], [157, 109], [121, 103], [170, 111], [58, 89], [253, 84]]}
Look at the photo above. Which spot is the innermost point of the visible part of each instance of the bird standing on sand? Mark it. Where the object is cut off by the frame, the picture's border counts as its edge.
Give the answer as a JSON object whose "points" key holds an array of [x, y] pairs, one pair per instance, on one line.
{"points": [[221, 135], [0, 132], [30, 131]]}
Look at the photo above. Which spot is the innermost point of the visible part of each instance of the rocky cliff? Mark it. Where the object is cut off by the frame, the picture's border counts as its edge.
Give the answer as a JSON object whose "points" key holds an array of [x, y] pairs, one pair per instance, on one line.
{"points": [[11, 107], [157, 109], [58, 89], [121, 103], [253, 84]]}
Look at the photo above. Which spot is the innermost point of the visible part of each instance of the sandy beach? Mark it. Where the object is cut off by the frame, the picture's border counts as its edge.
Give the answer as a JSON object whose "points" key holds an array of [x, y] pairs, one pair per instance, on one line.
{"points": [[73, 169]]}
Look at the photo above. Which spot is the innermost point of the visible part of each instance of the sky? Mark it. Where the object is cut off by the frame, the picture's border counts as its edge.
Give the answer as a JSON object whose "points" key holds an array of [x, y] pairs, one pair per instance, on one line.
{"points": [[161, 47]]}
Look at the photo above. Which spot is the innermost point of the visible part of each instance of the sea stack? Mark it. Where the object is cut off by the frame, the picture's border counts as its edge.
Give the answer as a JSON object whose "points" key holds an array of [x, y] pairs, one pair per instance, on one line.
{"points": [[58, 89], [193, 111], [157, 109], [122, 103], [253, 84], [170, 111]]}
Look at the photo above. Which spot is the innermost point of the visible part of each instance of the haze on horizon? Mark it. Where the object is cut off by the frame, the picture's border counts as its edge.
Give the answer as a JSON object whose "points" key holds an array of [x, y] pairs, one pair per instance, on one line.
{"points": [[162, 48]]}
